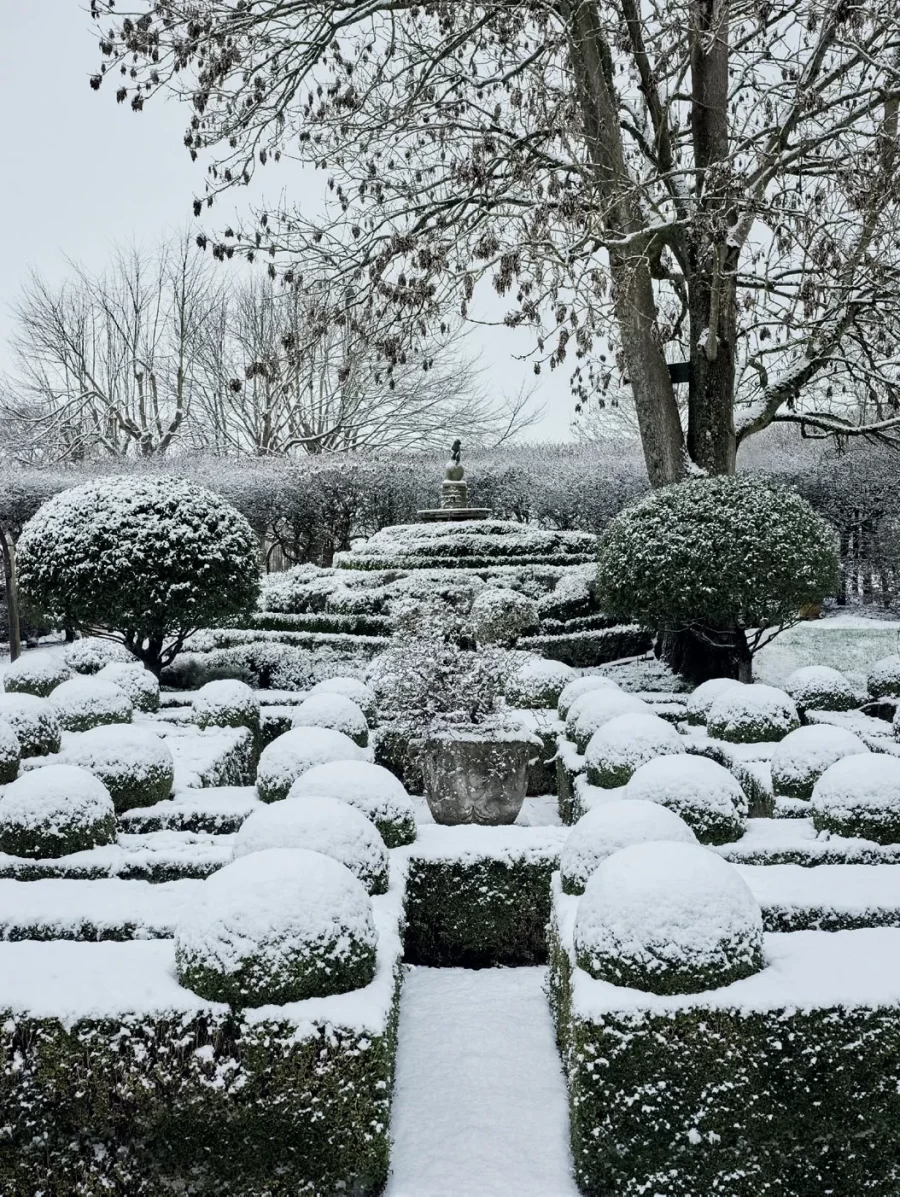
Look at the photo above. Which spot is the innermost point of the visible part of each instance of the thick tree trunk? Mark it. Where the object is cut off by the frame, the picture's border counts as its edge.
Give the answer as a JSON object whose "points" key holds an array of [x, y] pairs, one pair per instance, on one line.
{"points": [[697, 657], [8, 552]]}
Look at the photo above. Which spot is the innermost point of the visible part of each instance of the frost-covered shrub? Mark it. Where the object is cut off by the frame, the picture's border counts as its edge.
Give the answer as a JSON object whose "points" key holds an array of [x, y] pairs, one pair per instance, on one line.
{"points": [[91, 653], [292, 753], [336, 712], [134, 763], [55, 810], [141, 686], [625, 743], [752, 715], [705, 695], [537, 683], [85, 702], [344, 601], [354, 689], [581, 685], [501, 616], [325, 825], [702, 792], [35, 673], [668, 918], [151, 558], [277, 926], [884, 678], [801, 758], [572, 596], [34, 722], [818, 688], [10, 753], [372, 789], [227, 703], [588, 713], [610, 826], [860, 796]]}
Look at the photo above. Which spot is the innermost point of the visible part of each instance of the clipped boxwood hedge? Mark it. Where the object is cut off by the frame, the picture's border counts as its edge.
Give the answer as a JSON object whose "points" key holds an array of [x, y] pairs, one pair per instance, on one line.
{"points": [[582, 650]]}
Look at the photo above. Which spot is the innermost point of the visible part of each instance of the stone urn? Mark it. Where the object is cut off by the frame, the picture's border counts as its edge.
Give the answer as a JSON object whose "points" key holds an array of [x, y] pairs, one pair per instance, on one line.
{"points": [[476, 775]]}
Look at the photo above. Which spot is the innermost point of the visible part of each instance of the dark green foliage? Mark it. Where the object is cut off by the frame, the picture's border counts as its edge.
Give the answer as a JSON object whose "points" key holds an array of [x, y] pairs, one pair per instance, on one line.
{"points": [[62, 839], [879, 824], [324, 622], [647, 974], [582, 650]]}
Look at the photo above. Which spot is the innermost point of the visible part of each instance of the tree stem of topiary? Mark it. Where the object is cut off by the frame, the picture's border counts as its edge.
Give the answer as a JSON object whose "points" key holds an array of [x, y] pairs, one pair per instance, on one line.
{"points": [[698, 657]]}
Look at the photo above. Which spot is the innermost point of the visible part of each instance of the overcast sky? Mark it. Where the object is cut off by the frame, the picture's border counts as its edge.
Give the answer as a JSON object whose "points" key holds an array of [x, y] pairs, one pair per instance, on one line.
{"points": [[80, 172]]}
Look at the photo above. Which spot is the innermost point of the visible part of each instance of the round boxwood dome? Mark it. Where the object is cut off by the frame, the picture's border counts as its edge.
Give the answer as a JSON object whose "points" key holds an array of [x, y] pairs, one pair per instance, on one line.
{"points": [[702, 792], [333, 711], [134, 764], [292, 753], [91, 653], [580, 686], [86, 702], [372, 789], [355, 690], [325, 825], [668, 918], [501, 616], [34, 722], [752, 715], [818, 688], [701, 699], [591, 711], [10, 753], [884, 678], [625, 743], [859, 796], [801, 758], [537, 683], [137, 682], [55, 810], [609, 826], [227, 703], [35, 673], [277, 926]]}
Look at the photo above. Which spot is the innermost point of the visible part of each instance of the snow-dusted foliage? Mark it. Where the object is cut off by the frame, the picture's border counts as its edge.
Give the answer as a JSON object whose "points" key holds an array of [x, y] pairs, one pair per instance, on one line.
{"points": [[277, 926], [34, 722], [90, 654], [85, 702], [752, 715], [475, 542], [227, 703], [354, 689], [801, 758], [625, 743], [702, 792], [610, 826], [705, 695], [573, 594], [884, 678], [141, 686], [501, 616], [372, 789], [292, 753], [588, 713], [818, 688], [335, 711], [55, 810], [537, 683], [668, 918], [860, 796], [35, 673], [10, 753], [134, 763], [325, 825], [581, 685]]}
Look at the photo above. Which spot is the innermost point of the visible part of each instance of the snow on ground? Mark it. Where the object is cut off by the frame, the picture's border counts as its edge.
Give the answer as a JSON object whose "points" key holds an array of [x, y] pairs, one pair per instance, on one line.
{"points": [[850, 643], [480, 1102]]}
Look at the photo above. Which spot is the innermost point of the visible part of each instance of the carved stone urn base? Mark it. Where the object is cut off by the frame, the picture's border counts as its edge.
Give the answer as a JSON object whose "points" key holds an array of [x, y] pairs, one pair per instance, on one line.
{"points": [[476, 776]]}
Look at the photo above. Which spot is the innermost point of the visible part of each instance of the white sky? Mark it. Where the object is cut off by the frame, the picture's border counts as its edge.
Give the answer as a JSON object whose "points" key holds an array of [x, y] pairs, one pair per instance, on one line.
{"points": [[80, 172]]}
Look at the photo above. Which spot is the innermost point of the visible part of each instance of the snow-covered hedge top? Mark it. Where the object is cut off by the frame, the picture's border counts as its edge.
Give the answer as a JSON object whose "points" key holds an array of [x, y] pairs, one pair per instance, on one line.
{"points": [[818, 688], [33, 720], [582, 685], [805, 754], [225, 701], [35, 673], [334, 711], [884, 678], [538, 682], [701, 699], [141, 686], [688, 780], [500, 616], [91, 653], [291, 754], [89, 699], [859, 785], [609, 826], [354, 689], [474, 538], [589, 712], [369, 787], [752, 714], [53, 798], [625, 743], [122, 748]]}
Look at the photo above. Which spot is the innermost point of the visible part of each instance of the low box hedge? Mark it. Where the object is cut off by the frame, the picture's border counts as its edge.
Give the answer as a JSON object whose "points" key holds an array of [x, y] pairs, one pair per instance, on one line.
{"points": [[158, 856], [582, 650], [795, 841], [219, 810]]}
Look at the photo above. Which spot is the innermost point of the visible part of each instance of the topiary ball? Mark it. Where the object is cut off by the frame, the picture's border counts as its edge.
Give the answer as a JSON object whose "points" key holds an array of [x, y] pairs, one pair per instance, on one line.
{"points": [[10, 753], [55, 810], [859, 796], [501, 616], [35, 673], [752, 715], [91, 653], [137, 682], [625, 743], [322, 825], [592, 710], [701, 699], [227, 703], [333, 711], [134, 764], [609, 826], [668, 918], [372, 789], [818, 688], [700, 791], [277, 926], [580, 686], [801, 758], [291, 754], [537, 683], [884, 678], [34, 722], [86, 702], [355, 690]]}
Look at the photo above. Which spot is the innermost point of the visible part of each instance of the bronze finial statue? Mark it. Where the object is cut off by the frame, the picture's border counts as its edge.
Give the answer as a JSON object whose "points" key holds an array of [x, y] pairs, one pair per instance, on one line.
{"points": [[454, 451]]}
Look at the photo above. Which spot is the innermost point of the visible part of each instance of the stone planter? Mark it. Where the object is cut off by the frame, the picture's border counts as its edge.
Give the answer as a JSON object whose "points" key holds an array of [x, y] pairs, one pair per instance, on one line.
{"points": [[476, 775]]}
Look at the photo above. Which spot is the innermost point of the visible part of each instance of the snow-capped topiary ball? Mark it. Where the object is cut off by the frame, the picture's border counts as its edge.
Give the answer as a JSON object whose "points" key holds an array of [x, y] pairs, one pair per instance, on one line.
{"points": [[818, 688], [884, 678], [701, 699], [86, 702], [333, 711], [277, 926], [537, 683], [668, 918], [292, 753], [372, 789], [610, 826], [55, 810], [591, 711], [580, 686], [10, 753], [625, 743], [91, 653], [322, 825], [141, 686], [801, 758], [35, 673], [752, 715], [34, 722], [702, 792], [501, 616], [859, 796], [134, 763], [227, 703], [355, 690]]}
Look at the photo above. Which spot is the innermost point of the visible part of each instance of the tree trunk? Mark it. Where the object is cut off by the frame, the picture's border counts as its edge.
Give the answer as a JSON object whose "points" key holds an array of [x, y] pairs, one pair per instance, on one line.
{"points": [[8, 550], [698, 658]]}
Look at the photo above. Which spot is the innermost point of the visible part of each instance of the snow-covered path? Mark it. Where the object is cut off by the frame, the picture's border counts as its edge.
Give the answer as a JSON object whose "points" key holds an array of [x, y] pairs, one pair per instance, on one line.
{"points": [[480, 1102]]}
